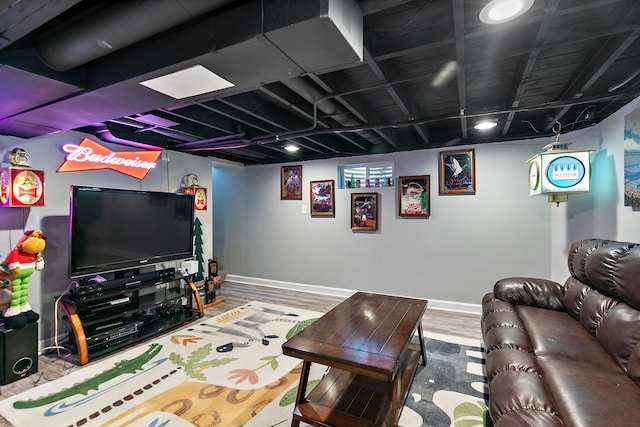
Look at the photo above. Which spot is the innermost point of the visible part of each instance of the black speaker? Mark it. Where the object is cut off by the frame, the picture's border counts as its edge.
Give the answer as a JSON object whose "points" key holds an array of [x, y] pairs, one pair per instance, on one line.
{"points": [[18, 353]]}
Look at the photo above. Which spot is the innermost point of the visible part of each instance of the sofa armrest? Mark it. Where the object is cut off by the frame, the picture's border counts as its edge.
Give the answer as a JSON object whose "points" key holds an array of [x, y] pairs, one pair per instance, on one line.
{"points": [[531, 291]]}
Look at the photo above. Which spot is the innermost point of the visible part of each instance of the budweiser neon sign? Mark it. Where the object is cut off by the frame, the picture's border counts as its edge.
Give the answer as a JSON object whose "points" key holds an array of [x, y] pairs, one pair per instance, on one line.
{"points": [[89, 155]]}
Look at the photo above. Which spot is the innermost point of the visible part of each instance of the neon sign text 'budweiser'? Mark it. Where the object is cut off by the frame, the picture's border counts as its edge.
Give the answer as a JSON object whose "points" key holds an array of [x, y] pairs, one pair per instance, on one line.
{"points": [[89, 155]]}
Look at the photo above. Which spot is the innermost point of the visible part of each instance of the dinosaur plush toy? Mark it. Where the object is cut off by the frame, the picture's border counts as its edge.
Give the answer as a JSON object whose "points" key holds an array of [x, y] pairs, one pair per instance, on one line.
{"points": [[21, 262]]}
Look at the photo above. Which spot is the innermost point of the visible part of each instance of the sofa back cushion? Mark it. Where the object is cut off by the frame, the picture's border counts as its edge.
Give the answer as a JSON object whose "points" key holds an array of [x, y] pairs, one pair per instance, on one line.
{"points": [[575, 293], [608, 266], [603, 294]]}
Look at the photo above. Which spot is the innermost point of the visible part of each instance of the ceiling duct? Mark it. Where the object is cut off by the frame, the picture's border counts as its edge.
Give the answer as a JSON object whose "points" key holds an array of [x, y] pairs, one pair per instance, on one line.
{"points": [[255, 43], [115, 27], [264, 41]]}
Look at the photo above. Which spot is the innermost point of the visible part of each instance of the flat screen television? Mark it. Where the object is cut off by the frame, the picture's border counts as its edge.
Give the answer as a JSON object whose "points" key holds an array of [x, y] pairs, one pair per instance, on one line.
{"points": [[111, 230]]}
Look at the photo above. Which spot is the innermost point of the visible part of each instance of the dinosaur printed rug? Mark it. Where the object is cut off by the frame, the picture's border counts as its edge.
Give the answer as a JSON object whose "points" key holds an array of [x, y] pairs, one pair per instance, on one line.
{"points": [[229, 371]]}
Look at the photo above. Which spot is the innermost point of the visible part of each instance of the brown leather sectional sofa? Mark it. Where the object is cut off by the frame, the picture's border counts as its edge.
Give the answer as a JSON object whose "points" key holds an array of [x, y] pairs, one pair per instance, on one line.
{"points": [[567, 355]]}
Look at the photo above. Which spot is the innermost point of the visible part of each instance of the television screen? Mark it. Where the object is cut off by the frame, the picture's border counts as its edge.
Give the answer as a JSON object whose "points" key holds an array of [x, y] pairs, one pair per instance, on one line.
{"points": [[112, 229]]}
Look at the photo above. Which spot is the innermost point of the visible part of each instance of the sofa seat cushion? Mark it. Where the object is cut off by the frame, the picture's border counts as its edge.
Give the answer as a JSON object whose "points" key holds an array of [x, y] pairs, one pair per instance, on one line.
{"points": [[527, 418], [558, 334], [509, 359], [572, 361], [587, 396], [521, 395]]}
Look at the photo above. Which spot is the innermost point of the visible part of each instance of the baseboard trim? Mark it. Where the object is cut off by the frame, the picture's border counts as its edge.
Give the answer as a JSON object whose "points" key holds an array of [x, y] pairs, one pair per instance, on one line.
{"points": [[453, 306]]}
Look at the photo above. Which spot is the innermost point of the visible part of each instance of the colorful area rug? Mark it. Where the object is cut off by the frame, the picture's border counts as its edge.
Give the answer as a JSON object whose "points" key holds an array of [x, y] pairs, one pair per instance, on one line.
{"points": [[452, 389], [230, 371]]}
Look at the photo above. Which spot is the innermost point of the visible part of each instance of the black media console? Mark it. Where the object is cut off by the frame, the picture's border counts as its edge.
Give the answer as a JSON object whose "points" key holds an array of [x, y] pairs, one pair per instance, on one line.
{"points": [[105, 316]]}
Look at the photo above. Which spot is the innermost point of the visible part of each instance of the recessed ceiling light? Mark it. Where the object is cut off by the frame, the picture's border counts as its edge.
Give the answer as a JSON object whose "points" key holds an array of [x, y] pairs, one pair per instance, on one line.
{"points": [[499, 11], [291, 148], [192, 81], [485, 124]]}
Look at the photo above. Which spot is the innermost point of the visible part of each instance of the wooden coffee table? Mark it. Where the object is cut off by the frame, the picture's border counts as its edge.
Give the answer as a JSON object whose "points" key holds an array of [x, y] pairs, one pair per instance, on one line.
{"points": [[366, 342]]}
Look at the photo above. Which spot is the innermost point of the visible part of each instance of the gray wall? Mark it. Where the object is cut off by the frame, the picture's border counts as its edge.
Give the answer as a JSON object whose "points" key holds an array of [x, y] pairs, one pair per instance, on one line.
{"points": [[45, 154], [600, 213], [456, 255], [453, 257]]}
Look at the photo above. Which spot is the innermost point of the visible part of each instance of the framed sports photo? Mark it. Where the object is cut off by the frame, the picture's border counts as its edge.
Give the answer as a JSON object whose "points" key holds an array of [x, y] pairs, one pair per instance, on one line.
{"points": [[364, 211], [291, 182], [457, 170], [413, 196], [322, 198]]}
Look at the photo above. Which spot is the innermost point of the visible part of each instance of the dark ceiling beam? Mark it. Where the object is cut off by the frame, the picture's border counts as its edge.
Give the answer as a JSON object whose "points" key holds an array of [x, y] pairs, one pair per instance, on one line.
{"points": [[405, 103], [356, 105], [521, 79], [586, 36], [234, 155], [190, 119], [139, 127], [200, 116], [370, 7], [440, 35], [236, 117], [584, 6], [219, 107], [546, 105], [279, 120], [596, 64], [246, 151], [458, 30], [429, 38], [564, 43], [283, 95]]}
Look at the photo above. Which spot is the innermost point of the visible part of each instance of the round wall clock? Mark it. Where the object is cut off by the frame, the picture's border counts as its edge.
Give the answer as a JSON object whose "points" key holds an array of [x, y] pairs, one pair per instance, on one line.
{"points": [[534, 175]]}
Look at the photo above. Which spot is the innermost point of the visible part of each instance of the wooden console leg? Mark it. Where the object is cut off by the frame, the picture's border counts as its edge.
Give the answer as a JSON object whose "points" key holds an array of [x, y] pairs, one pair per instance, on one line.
{"points": [[78, 332], [196, 296]]}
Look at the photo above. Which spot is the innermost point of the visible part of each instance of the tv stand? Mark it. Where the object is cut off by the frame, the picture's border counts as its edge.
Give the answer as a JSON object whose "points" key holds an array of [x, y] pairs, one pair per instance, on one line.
{"points": [[107, 316]]}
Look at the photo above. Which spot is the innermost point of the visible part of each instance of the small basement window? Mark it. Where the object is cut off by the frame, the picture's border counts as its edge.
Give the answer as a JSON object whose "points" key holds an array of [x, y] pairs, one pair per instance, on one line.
{"points": [[366, 175]]}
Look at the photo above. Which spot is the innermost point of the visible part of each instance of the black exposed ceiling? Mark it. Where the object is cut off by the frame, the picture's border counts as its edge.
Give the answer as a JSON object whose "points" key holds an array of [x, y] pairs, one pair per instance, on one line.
{"points": [[77, 64]]}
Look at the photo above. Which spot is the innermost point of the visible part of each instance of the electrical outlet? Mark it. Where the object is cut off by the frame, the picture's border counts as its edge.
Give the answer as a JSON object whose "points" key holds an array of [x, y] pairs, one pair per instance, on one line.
{"points": [[190, 267]]}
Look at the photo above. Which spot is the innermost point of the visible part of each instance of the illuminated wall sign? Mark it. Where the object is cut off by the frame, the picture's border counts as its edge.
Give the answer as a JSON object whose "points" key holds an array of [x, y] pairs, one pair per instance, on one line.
{"points": [[558, 172], [566, 172], [89, 155], [21, 187]]}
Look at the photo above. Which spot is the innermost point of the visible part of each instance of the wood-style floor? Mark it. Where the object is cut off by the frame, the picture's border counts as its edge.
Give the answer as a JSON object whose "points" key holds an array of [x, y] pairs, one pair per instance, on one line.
{"points": [[54, 366]]}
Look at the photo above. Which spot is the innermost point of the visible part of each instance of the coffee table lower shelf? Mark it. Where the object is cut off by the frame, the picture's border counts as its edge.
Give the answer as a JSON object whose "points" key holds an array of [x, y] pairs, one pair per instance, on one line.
{"points": [[343, 398]]}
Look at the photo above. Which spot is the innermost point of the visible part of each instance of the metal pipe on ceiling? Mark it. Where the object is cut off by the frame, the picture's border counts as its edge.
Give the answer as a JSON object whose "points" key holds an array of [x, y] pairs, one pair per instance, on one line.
{"points": [[273, 138], [328, 106], [115, 27]]}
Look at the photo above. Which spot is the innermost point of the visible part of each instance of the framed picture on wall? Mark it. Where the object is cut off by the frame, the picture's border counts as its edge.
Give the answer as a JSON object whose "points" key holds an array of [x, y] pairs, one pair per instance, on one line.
{"points": [[413, 196], [364, 211], [457, 170], [291, 182], [322, 198]]}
